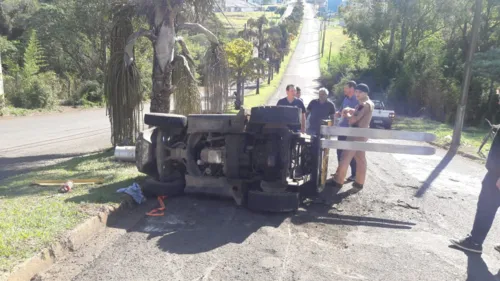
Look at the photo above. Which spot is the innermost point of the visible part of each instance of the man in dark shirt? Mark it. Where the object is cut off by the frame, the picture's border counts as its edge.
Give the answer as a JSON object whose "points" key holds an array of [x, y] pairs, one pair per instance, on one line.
{"points": [[319, 110], [487, 205], [298, 93], [291, 100]]}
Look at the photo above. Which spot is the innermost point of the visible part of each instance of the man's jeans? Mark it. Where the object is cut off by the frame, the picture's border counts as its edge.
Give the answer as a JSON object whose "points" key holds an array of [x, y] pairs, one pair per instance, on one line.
{"points": [[353, 162], [487, 206]]}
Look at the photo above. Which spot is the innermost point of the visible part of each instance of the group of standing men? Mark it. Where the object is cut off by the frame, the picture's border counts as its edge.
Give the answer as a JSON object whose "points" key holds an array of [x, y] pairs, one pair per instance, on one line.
{"points": [[355, 111]]}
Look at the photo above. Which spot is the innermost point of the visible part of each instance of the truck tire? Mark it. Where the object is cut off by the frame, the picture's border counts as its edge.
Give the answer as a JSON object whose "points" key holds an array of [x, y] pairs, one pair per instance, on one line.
{"points": [[153, 188], [314, 187], [279, 115], [165, 169], [165, 120], [279, 202], [388, 127], [145, 160]]}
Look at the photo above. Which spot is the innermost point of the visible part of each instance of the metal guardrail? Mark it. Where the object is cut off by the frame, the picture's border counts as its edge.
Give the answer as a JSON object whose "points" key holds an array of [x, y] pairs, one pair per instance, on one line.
{"points": [[327, 131], [324, 143]]}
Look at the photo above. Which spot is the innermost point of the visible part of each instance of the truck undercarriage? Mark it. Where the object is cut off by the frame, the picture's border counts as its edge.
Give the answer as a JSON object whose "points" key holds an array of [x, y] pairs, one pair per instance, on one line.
{"points": [[261, 161]]}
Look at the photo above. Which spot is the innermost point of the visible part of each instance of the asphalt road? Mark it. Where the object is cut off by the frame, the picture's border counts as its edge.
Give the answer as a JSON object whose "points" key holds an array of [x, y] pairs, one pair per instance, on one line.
{"points": [[34, 141], [384, 232]]}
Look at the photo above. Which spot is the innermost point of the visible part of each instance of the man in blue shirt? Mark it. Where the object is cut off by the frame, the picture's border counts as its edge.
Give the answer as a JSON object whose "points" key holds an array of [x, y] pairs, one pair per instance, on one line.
{"points": [[291, 100], [349, 101]]}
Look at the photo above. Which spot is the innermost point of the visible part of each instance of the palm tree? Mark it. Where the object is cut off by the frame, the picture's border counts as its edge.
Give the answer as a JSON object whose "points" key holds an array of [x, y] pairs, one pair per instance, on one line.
{"points": [[173, 68], [255, 32]]}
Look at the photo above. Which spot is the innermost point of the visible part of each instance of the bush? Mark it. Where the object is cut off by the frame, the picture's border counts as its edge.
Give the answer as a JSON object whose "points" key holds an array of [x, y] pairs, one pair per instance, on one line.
{"points": [[39, 91], [39, 95], [90, 94], [56, 85]]}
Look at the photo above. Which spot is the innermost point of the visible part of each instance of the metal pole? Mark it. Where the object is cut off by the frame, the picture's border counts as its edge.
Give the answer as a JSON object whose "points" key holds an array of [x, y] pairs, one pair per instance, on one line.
{"points": [[2, 95], [324, 36], [330, 52], [459, 121]]}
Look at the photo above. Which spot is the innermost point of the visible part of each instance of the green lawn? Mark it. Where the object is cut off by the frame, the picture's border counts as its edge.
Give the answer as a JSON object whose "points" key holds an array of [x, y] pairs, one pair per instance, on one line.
{"points": [[471, 136], [237, 20], [335, 36], [14, 111], [33, 216]]}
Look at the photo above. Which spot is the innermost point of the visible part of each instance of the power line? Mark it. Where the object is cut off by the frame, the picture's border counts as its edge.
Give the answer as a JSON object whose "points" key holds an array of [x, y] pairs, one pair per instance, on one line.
{"points": [[222, 11]]}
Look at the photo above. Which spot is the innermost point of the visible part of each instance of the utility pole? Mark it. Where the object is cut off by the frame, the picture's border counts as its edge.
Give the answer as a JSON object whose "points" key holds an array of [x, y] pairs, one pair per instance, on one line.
{"points": [[324, 36], [330, 55], [2, 95], [459, 121]]}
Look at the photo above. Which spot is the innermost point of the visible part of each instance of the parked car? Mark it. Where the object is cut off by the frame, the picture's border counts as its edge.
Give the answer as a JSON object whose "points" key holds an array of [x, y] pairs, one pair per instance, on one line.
{"points": [[381, 116]]}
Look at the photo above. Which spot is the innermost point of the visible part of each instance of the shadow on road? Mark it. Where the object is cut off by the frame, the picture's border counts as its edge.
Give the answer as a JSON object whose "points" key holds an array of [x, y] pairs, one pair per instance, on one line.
{"points": [[193, 225], [311, 60], [436, 172], [320, 213], [477, 270]]}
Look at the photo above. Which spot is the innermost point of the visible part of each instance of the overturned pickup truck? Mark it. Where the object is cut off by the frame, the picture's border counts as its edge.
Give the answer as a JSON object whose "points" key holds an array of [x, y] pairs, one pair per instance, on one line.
{"points": [[261, 161]]}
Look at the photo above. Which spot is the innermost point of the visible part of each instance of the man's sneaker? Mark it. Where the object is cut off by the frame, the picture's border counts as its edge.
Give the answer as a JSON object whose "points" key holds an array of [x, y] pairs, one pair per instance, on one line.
{"points": [[497, 247], [351, 179], [468, 245]]}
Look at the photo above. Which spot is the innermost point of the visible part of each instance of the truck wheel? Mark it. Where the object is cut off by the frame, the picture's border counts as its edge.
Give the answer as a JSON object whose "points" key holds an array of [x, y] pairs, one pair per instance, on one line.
{"points": [[166, 120], [388, 127], [145, 154], [279, 115], [278, 202], [165, 167], [154, 188]]}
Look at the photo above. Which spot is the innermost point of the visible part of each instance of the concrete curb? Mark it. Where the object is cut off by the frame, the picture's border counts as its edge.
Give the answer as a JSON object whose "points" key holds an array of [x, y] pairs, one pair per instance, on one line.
{"points": [[69, 242], [461, 153]]}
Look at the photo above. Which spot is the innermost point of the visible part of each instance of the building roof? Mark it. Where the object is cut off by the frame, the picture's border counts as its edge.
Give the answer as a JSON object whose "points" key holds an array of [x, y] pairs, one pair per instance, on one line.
{"points": [[240, 4]]}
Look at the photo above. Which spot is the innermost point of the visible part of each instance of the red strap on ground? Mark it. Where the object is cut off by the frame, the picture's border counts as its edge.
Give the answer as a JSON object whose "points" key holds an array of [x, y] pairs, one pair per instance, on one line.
{"points": [[158, 212]]}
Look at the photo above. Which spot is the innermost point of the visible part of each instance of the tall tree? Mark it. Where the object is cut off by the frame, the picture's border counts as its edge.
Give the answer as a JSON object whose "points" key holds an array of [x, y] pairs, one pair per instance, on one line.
{"points": [[243, 66], [255, 32], [172, 72]]}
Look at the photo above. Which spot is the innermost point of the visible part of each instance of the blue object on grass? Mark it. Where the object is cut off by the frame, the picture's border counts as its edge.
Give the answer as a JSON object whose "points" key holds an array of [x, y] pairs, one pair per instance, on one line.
{"points": [[135, 191]]}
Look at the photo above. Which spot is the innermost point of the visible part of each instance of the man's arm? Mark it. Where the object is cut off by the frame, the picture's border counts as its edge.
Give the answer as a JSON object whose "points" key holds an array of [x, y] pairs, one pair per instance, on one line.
{"points": [[303, 125], [333, 111], [339, 112], [498, 183], [309, 109], [353, 119]]}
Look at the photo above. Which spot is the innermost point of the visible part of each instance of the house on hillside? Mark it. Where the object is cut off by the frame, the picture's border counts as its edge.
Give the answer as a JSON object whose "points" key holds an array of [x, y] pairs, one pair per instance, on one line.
{"points": [[240, 6]]}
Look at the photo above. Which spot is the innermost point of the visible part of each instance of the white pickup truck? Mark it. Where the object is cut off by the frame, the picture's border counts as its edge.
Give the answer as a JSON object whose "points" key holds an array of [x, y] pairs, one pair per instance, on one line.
{"points": [[381, 116]]}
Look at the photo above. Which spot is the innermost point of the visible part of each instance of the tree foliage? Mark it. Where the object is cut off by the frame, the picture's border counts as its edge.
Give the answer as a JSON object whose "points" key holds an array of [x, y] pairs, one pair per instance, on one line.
{"points": [[416, 52]]}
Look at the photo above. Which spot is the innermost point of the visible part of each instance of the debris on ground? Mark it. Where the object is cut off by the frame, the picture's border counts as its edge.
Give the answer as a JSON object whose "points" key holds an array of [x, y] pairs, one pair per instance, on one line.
{"points": [[66, 187], [74, 181], [406, 205], [135, 191], [158, 212]]}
